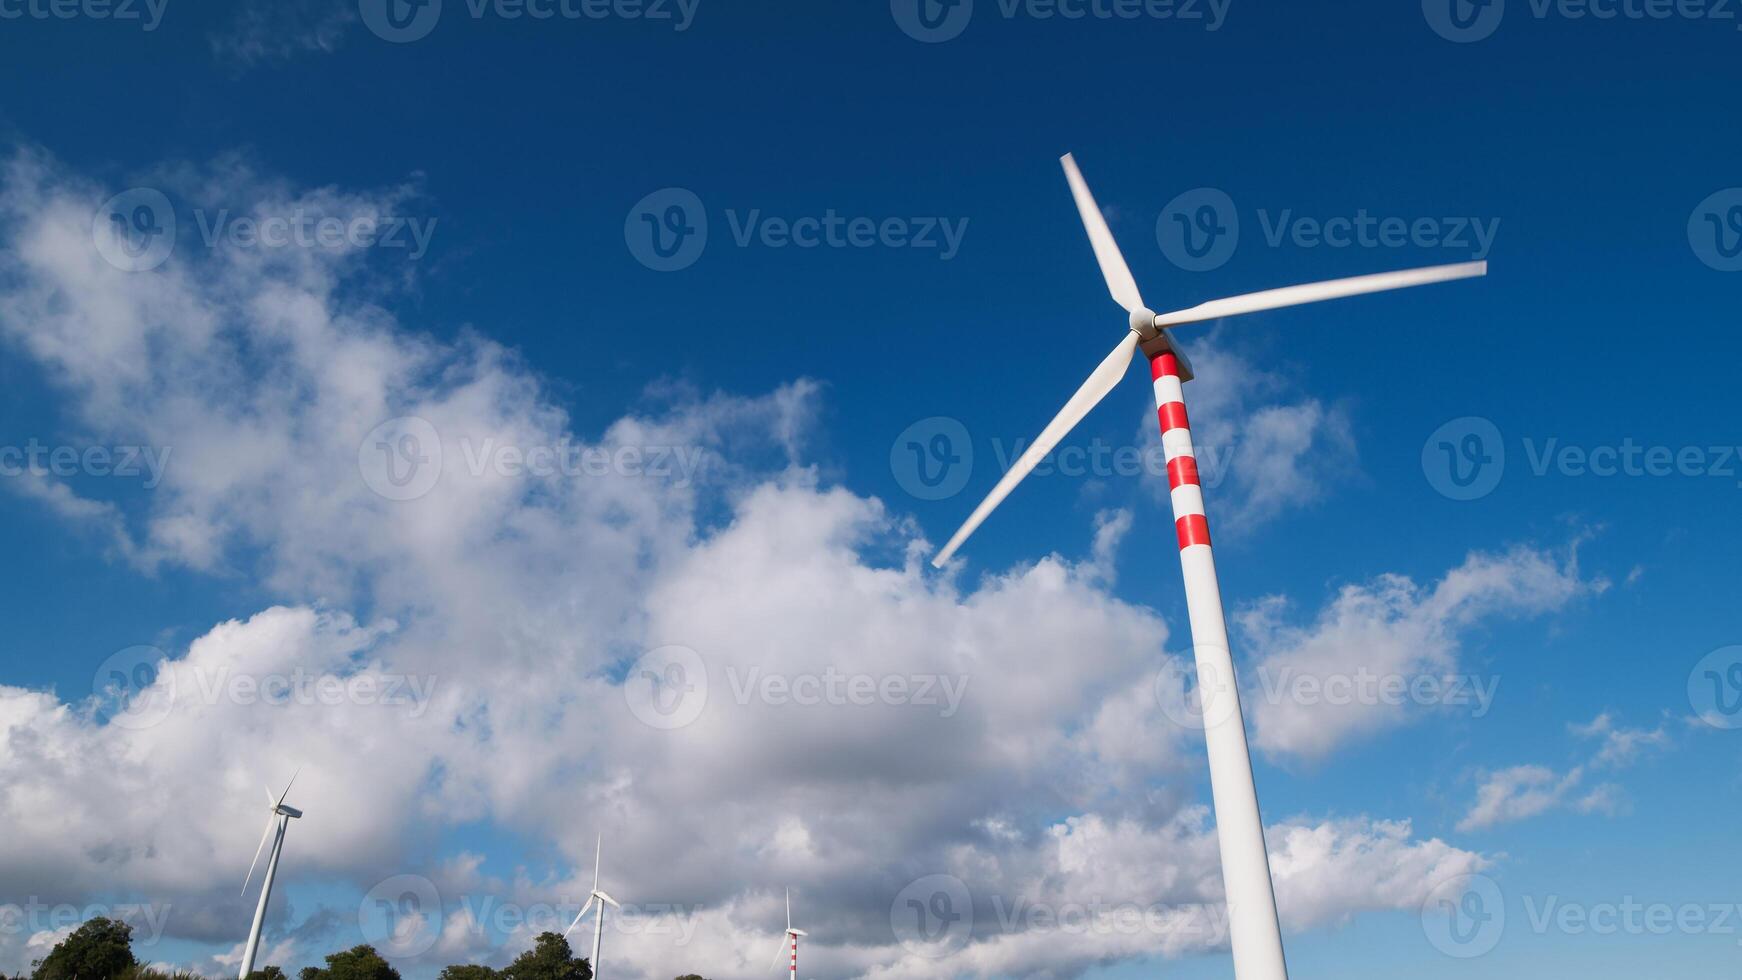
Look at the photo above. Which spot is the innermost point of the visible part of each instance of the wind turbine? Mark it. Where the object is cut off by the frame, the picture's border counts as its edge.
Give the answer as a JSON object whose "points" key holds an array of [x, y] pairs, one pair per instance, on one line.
{"points": [[278, 818], [791, 936], [596, 896], [1254, 933]]}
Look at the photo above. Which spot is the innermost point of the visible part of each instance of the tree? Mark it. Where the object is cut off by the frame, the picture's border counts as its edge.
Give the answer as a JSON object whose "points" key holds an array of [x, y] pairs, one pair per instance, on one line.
{"points": [[356, 963], [549, 959], [267, 973], [469, 971], [691, 976], [98, 950]]}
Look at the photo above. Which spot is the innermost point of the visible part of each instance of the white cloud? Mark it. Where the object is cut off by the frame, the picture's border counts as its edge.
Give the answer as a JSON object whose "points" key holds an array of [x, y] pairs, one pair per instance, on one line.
{"points": [[520, 602], [1387, 631], [1527, 791]]}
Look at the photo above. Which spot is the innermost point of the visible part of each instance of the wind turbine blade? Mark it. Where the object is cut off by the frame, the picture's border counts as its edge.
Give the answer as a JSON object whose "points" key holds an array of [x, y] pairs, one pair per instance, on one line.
{"points": [[287, 787], [780, 951], [257, 851], [798, 932], [789, 910], [608, 900], [578, 917], [1316, 292], [598, 855], [1103, 380], [1113, 267]]}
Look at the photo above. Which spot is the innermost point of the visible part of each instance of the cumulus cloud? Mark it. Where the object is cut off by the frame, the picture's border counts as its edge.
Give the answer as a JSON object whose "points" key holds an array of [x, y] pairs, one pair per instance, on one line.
{"points": [[1262, 447], [1522, 792], [472, 654], [1384, 652]]}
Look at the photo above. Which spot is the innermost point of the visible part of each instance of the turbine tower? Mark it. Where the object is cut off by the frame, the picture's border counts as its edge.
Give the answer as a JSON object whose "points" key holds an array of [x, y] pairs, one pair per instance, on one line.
{"points": [[601, 899], [791, 936], [1254, 932], [278, 819]]}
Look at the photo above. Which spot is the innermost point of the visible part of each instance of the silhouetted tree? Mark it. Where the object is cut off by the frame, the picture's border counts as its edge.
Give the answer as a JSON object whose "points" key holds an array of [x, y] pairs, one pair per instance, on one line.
{"points": [[469, 971], [356, 963], [268, 973], [101, 949], [549, 959]]}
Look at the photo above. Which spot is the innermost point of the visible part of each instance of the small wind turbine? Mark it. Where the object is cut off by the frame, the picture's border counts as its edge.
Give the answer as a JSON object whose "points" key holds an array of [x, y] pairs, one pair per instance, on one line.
{"points": [[791, 936], [602, 899], [278, 818], [1254, 933]]}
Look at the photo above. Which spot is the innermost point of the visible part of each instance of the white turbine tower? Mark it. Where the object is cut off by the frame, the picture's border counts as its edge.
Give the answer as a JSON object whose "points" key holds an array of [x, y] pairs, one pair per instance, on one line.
{"points": [[599, 898], [1255, 934], [277, 819], [789, 937]]}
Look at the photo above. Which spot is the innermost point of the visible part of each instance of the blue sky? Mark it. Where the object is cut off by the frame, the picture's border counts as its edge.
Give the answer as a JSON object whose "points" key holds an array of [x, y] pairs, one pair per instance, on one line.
{"points": [[1591, 149]]}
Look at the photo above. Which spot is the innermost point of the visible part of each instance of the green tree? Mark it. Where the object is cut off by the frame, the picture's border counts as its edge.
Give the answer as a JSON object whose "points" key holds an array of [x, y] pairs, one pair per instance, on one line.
{"points": [[98, 950], [469, 971], [549, 959], [267, 973], [356, 963]]}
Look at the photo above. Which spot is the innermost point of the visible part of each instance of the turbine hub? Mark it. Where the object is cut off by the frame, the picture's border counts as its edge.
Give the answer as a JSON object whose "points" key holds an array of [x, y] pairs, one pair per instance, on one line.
{"points": [[1143, 324]]}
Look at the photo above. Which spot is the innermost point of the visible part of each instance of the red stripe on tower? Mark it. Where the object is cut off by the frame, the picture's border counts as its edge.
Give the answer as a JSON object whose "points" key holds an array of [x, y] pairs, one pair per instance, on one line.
{"points": [[1182, 471], [1173, 416], [1192, 529]]}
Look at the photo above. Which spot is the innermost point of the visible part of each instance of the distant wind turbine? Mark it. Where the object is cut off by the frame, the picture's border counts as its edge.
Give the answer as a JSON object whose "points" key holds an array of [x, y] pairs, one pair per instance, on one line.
{"points": [[602, 899], [791, 936], [1254, 933], [278, 818]]}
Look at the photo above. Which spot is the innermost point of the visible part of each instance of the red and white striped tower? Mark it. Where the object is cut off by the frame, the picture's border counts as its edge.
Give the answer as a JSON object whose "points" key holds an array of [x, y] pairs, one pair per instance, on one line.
{"points": [[1255, 934], [794, 936]]}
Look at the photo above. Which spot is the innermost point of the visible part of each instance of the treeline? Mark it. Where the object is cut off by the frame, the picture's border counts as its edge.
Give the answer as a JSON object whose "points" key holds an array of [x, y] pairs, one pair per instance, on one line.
{"points": [[102, 949]]}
